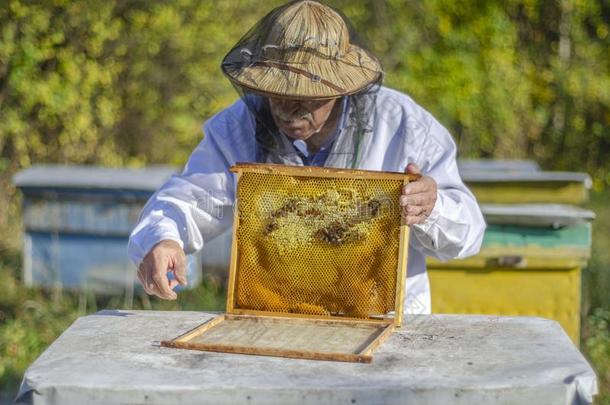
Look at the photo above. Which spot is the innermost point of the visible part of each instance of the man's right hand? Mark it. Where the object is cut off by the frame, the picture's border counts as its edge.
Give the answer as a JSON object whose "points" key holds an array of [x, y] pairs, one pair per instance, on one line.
{"points": [[166, 256]]}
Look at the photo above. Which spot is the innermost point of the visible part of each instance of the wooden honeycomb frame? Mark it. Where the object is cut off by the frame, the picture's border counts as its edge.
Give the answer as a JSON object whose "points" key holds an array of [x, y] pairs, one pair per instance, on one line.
{"points": [[299, 335]]}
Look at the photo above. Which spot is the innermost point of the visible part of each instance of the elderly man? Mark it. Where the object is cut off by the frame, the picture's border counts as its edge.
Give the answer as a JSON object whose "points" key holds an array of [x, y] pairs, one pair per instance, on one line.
{"points": [[310, 95]]}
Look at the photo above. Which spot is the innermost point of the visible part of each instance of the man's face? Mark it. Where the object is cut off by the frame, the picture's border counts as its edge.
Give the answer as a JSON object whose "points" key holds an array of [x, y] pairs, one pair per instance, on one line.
{"points": [[300, 119]]}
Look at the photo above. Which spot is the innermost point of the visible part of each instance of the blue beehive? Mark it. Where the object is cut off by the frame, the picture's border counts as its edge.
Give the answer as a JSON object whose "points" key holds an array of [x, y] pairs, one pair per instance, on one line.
{"points": [[77, 221]]}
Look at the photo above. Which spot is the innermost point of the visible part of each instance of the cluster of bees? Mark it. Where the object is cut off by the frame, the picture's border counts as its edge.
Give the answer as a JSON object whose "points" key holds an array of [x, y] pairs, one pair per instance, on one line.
{"points": [[334, 217]]}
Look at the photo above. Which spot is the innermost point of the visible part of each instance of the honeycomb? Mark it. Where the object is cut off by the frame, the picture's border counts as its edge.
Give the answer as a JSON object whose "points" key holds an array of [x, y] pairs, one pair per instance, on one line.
{"points": [[317, 245]]}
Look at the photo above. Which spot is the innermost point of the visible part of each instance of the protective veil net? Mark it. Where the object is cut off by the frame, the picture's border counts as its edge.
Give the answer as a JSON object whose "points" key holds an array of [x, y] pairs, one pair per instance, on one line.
{"points": [[317, 246], [306, 51]]}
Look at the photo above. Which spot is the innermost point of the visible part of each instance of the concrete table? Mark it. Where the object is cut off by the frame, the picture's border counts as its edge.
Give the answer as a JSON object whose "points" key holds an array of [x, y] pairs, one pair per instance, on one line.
{"points": [[115, 357]]}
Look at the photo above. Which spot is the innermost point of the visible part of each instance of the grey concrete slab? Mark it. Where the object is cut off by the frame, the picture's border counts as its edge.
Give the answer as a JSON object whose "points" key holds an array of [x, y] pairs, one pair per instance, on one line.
{"points": [[115, 357]]}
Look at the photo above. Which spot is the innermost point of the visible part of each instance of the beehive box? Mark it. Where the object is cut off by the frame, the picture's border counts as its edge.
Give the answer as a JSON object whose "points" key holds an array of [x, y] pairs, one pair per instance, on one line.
{"points": [[318, 265], [530, 264], [77, 221]]}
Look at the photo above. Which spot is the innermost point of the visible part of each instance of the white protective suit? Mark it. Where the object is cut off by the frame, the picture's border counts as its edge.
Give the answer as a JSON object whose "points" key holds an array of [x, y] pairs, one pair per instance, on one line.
{"points": [[195, 206]]}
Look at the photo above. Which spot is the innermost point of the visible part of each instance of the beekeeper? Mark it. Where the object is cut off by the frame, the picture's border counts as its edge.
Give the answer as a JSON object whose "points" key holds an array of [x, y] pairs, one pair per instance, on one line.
{"points": [[311, 94]]}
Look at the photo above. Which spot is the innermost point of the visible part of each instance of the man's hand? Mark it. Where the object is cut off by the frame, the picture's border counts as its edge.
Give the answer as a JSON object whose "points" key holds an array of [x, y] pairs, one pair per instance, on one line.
{"points": [[418, 197], [166, 256]]}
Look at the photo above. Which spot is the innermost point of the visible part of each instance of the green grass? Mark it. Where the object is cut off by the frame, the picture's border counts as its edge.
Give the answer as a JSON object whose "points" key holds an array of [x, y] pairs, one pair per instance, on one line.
{"points": [[597, 349], [596, 301], [597, 277], [30, 319]]}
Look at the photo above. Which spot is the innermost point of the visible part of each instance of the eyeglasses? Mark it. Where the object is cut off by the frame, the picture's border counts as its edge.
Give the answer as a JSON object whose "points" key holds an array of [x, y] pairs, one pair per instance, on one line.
{"points": [[309, 105]]}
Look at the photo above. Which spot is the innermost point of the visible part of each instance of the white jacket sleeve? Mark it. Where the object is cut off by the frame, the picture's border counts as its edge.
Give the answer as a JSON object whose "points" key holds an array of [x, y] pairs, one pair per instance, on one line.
{"points": [[195, 206], [456, 226]]}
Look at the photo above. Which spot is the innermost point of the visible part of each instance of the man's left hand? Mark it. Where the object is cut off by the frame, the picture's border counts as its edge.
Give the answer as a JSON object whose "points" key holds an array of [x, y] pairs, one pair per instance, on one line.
{"points": [[418, 197]]}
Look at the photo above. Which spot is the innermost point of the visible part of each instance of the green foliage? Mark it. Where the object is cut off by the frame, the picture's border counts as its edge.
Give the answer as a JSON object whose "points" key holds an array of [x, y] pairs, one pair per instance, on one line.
{"points": [[597, 347], [596, 326], [130, 82], [597, 275], [111, 82], [510, 79]]}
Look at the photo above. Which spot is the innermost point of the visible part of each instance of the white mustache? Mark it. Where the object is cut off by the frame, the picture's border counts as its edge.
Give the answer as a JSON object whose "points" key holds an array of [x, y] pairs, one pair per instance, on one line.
{"points": [[297, 115]]}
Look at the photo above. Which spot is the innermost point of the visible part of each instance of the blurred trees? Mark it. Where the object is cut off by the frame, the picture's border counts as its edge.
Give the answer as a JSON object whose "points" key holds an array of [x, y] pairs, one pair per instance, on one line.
{"points": [[509, 78], [131, 81]]}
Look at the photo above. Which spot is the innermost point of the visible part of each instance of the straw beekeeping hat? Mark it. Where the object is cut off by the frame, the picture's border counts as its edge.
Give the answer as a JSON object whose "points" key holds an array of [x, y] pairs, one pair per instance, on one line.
{"points": [[302, 50]]}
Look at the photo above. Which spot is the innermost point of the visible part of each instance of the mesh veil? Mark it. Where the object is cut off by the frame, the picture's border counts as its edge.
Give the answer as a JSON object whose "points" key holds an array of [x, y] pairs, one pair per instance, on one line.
{"points": [[304, 50]]}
